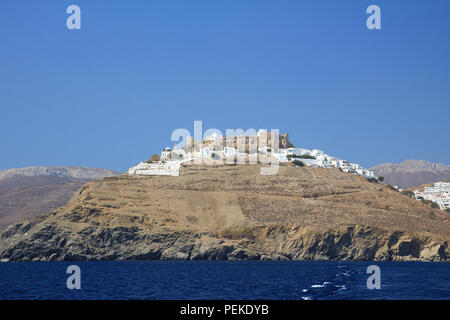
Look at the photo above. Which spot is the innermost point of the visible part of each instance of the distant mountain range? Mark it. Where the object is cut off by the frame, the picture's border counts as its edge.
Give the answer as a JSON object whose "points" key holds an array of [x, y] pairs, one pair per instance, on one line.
{"points": [[411, 173], [30, 192], [62, 172]]}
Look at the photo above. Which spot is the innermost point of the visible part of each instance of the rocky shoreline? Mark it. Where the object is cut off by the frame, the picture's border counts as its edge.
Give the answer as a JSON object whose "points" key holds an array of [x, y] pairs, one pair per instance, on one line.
{"points": [[352, 243]]}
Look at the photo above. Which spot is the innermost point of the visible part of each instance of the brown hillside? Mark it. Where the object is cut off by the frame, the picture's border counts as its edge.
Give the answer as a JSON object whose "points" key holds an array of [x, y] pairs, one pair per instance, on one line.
{"points": [[229, 212]]}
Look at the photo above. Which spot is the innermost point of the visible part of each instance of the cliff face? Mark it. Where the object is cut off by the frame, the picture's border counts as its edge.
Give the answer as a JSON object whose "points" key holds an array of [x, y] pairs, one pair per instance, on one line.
{"points": [[232, 212]]}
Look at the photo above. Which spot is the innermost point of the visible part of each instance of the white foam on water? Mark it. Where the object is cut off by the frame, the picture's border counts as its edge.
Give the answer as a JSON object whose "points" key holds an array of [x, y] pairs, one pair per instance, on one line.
{"points": [[347, 274], [342, 287]]}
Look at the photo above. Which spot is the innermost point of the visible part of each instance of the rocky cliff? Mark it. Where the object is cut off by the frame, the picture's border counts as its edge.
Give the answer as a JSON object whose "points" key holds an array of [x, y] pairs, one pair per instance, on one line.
{"points": [[232, 212]]}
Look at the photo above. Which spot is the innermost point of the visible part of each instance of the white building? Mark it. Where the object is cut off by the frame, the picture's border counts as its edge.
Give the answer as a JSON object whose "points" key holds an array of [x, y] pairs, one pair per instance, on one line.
{"points": [[311, 162], [316, 152], [264, 150], [439, 194], [165, 154], [354, 166], [280, 155], [171, 159], [169, 168], [369, 174]]}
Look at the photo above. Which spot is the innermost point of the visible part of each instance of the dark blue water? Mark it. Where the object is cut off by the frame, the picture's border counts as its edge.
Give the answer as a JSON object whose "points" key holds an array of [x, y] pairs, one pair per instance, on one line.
{"points": [[224, 280]]}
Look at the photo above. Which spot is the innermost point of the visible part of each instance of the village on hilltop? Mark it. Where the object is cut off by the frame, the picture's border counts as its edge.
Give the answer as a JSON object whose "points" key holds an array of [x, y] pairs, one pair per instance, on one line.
{"points": [[216, 149], [439, 194]]}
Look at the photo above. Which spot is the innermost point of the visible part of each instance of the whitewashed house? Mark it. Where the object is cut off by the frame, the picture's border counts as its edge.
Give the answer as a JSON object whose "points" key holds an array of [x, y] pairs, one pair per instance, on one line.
{"points": [[166, 153], [334, 162], [369, 174], [324, 161], [264, 150], [316, 152], [281, 155], [311, 162], [344, 165], [442, 187], [301, 152], [169, 168], [291, 151]]}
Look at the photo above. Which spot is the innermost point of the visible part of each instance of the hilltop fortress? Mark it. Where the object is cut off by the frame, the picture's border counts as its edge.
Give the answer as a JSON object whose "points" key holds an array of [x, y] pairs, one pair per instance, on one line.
{"points": [[175, 207], [263, 147]]}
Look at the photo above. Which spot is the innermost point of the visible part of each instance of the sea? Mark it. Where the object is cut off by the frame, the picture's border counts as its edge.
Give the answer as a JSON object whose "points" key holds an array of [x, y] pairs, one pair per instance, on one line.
{"points": [[224, 280]]}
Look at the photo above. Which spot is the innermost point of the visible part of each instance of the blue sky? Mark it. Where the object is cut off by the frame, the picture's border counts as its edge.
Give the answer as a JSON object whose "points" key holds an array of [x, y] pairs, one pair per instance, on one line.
{"points": [[110, 94]]}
